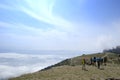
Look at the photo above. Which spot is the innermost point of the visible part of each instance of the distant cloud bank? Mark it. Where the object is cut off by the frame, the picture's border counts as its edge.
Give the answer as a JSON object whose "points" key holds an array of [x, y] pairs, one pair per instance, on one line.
{"points": [[15, 64]]}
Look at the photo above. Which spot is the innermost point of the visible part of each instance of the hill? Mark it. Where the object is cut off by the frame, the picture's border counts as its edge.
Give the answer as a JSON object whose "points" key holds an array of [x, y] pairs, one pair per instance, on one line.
{"points": [[70, 69], [113, 58]]}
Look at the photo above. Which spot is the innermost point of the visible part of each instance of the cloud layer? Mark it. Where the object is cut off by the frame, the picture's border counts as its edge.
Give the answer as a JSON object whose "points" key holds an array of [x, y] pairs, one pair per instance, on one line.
{"points": [[15, 64]]}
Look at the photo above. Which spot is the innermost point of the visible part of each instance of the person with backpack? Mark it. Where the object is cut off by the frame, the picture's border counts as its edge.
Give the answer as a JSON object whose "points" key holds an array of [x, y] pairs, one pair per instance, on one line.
{"points": [[94, 60]]}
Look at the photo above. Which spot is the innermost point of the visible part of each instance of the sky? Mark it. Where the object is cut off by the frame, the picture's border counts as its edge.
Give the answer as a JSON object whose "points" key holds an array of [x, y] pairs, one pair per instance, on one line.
{"points": [[84, 25]]}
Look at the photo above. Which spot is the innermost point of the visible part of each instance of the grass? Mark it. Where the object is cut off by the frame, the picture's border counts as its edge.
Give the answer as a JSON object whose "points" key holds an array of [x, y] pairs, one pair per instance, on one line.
{"points": [[74, 73]]}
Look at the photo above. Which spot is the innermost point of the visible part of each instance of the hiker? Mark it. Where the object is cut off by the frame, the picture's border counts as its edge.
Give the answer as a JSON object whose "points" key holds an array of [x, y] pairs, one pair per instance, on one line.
{"points": [[94, 60], [91, 61], [119, 59], [83, 64], [105, 60], [101, 60], [98, 62]]}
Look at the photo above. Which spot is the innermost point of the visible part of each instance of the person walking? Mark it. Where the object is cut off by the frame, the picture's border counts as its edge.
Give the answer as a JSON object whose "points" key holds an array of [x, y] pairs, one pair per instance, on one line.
{"points": [[105, 60], [98, 63], [94, 60], [91, 61], [83, 64]]}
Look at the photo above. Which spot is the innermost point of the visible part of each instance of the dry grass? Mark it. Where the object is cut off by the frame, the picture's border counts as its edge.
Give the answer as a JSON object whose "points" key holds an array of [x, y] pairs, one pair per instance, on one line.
{"points": [[74, 73]]}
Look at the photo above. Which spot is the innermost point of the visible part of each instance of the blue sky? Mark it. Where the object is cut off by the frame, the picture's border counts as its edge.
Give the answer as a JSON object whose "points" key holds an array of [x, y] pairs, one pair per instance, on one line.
{"points": [[84, 25]]}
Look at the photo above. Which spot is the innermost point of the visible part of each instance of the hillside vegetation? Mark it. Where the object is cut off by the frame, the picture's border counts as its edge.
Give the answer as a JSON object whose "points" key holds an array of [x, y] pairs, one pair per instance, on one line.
{"points": [[70, 69]]}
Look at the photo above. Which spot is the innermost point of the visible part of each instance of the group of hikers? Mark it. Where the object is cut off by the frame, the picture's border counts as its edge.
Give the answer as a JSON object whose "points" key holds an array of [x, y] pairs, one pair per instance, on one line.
{"points": [[95, 61]]}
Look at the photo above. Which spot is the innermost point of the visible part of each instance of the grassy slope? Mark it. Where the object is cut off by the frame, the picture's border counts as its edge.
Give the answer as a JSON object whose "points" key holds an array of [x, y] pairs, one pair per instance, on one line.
{"points": [[66, 72]]}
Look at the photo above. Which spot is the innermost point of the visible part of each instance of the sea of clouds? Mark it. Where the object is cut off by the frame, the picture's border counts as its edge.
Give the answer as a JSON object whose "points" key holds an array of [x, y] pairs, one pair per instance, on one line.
{"points": [[16, 64]]}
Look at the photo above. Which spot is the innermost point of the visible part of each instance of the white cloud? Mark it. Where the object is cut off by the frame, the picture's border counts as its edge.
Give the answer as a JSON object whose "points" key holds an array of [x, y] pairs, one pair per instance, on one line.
{"points": [[52, 39], [37, 37], [23, 56], [44, 12], [14, 71], [32, 30], [105, 42], [14, 64], [19, 26]]}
